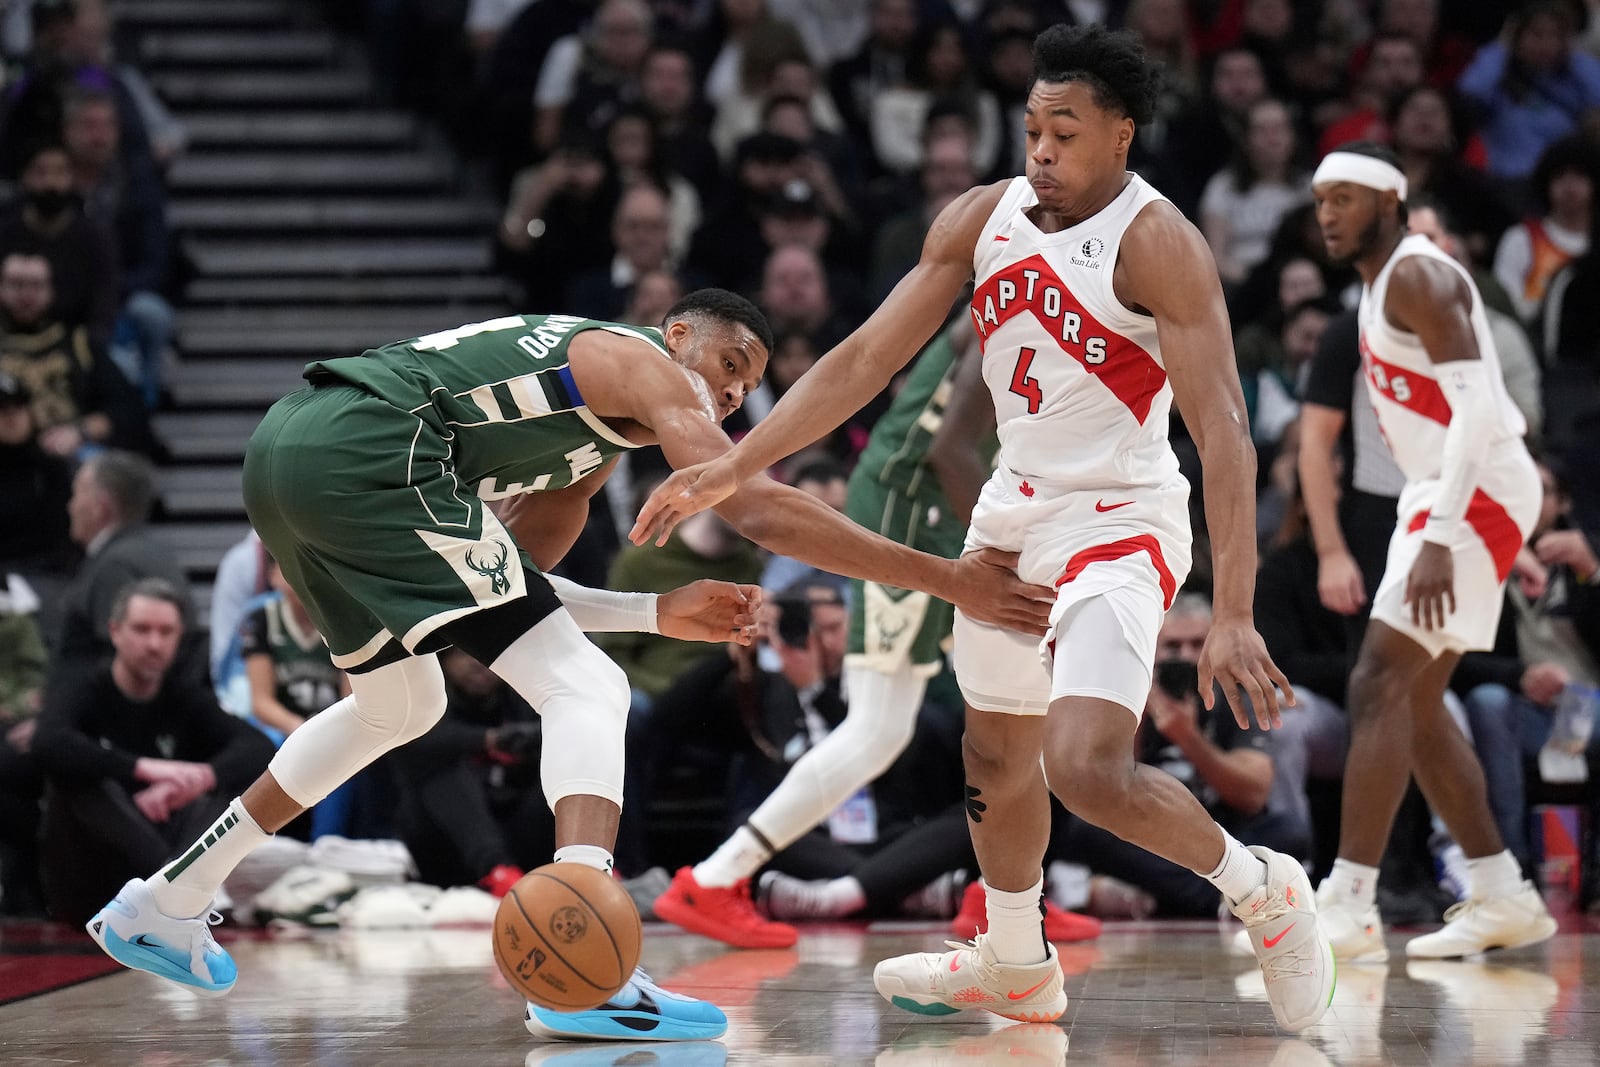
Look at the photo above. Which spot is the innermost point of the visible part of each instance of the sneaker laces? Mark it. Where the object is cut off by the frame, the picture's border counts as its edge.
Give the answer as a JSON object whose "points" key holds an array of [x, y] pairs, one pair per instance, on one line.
{"points": [[1286, 963], [988, 972]]}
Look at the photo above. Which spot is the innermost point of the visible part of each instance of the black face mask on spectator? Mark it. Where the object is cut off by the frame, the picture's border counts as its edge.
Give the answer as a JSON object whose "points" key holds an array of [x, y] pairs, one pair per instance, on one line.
{"points": [[51, 203]]}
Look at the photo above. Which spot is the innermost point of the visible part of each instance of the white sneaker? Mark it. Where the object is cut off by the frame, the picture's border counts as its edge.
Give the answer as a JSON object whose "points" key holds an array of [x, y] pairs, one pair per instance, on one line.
{"points": [[1296, 959], [1474, 926], [135, 933], [1355, 933], [942, 983]]}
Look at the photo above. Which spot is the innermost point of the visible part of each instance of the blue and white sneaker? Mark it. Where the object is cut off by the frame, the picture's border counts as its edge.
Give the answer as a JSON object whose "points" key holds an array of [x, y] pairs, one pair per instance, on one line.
{"points": [[135, 933], [641, 1011]]}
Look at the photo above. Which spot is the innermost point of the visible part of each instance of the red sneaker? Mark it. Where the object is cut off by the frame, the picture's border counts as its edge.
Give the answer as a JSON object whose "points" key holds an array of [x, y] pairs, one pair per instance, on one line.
{"points": [[723, 914], [973, 919], [498, 882]]}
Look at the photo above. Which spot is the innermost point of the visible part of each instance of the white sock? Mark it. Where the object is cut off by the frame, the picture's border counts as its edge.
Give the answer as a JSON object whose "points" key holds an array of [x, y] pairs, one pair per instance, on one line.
{"points": [[737, 858], [588, 855], [1240, 873], [1016, 924], [186, 887], [1493, 876], [1352, 882]]}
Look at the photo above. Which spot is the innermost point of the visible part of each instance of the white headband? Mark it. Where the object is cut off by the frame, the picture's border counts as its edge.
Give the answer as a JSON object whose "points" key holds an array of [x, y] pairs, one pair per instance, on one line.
{"points": [[1361, 170]]}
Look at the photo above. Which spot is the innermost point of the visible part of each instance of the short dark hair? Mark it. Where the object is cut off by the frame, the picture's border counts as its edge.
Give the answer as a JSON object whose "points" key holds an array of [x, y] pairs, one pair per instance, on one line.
{"points": [[1429, 202], [152, 589], [724, 306], [1572, 153], [1112, 64], [128, 479]]}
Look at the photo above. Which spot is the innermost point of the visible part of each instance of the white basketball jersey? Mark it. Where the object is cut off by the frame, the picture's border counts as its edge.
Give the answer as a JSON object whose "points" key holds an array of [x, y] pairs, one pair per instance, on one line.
{"points": [[1079, 387], [1404, 387]]}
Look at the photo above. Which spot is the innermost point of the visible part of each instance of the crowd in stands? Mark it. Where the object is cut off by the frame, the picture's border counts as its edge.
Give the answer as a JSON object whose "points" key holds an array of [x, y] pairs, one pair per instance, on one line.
{"points": [[795, 153]]}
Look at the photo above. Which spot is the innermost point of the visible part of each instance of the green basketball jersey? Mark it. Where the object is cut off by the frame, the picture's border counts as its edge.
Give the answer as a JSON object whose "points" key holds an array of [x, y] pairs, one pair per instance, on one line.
{"points": [[504, 395], [896, 453], [305, 679]]}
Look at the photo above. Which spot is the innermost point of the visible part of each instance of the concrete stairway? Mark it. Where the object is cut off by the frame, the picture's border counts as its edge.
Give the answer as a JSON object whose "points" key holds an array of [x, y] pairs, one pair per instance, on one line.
{"points": [[316, 223]]}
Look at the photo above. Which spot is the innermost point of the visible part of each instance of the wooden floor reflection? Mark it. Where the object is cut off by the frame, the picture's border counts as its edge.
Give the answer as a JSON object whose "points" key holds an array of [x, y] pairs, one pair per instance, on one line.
{"points": [[1143, 994]]}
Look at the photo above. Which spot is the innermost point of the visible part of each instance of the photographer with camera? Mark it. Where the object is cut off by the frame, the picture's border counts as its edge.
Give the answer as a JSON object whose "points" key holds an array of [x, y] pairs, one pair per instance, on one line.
{"points": [[1229, 770]]}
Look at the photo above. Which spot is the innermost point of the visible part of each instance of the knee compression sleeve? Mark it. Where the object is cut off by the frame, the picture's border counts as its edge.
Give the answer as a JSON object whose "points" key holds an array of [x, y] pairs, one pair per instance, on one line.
{"points": [[582, 700], [877, 728], [387, 707]]}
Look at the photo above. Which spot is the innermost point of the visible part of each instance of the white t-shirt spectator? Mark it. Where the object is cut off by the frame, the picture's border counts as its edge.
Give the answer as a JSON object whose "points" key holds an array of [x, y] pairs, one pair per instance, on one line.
{"points": [[1251, 216]]}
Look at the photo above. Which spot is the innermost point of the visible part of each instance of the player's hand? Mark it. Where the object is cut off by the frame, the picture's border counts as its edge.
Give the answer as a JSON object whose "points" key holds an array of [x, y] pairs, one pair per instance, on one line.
{"points": [[985, 586], [710, 611], [1235, 656], [1339, 583], [1430, 587], [684, 493]]}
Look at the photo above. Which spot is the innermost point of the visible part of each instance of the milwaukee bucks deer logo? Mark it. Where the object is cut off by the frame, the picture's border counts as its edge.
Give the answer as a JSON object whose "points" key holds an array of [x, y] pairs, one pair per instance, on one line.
{"points": [[496, 571]]}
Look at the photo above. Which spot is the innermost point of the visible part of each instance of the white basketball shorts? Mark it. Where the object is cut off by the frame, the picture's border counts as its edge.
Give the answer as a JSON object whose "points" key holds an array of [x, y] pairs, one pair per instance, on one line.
{"points": [[1116, 559], [1499, 520]]}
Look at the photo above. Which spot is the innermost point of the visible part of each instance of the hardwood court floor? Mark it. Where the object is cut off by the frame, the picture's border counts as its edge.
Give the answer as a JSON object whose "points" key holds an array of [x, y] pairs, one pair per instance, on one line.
{"points": [[1148, 993]]}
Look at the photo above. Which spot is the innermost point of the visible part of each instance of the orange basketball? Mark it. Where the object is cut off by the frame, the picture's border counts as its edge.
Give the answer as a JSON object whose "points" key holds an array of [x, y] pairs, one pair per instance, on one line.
{"points": [[567, 936]]}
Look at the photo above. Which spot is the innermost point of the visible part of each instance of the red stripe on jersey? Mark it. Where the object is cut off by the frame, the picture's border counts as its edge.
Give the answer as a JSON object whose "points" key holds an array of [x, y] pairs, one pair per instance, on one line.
{"points": [[1131, 373], [1117, 550], [1494, 526], [1410, 389]]}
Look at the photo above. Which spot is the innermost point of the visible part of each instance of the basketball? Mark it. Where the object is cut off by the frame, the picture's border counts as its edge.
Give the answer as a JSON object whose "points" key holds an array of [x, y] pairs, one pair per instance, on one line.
{"points": [[567, 936]]}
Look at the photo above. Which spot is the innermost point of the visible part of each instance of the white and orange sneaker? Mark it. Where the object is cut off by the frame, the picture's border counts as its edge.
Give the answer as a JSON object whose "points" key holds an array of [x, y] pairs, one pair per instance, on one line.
{"points": [[1296, 959], [942, 983]]}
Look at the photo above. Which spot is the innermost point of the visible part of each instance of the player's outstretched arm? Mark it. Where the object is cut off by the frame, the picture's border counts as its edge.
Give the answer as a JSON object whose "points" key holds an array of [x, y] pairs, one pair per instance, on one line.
{"points": [[1166, 268], [662, 398], [851, 374], [706, 610]]}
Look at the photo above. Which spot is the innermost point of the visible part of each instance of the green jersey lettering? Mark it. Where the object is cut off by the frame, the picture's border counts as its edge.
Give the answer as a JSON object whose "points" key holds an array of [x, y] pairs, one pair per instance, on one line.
{"points": [[503, 392]]}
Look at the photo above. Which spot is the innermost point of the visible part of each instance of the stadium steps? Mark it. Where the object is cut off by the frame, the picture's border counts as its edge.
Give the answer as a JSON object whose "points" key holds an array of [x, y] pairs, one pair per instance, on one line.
{"points": [[447, 291], [307, 333], [315, 131], [313, 221], [349, 215], [407, 172], [230, 48]]}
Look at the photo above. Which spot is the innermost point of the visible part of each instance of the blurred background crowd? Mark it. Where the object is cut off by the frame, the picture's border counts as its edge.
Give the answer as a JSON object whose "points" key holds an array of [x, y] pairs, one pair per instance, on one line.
{"points": [[605, 156]]}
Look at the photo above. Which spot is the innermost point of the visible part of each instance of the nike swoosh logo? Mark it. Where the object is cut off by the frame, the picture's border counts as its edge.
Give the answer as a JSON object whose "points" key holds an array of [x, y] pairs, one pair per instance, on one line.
{"points": [[1101, 505], [143, 941], [1272, 942], [955, 964], [1001, 237], [1029, 992]]}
